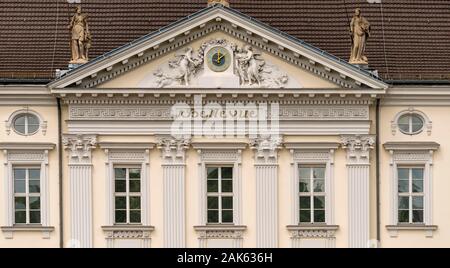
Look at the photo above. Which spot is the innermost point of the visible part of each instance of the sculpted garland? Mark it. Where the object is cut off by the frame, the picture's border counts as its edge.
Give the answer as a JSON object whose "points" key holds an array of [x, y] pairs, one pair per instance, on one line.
{"points": [[248, 65]]}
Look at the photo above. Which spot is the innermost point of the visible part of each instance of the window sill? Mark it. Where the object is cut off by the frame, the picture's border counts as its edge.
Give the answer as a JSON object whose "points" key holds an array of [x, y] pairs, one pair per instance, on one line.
{"points": [[428, 229], [8, 231], [130, 231], [312, 231]]}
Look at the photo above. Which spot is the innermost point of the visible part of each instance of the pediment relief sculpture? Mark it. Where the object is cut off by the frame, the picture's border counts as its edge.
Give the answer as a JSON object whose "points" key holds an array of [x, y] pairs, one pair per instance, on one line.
{"points": [[219, 63]]}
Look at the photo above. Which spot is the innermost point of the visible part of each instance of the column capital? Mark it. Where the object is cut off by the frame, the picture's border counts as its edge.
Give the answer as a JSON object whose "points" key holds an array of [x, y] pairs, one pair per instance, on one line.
{"points": [[80, 147], [358, 148], [266, 149], [173, 150]]}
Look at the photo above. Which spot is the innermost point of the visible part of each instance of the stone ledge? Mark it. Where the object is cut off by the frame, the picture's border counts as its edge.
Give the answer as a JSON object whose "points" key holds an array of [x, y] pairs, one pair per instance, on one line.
{"points": [[8, 231], [428, 229]]}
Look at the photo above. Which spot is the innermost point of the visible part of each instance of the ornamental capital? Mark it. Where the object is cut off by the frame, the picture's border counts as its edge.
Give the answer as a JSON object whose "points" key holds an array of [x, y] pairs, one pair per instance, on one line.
{"points": [[173, 150], [80, 147], [358, 148], [266, 148]]}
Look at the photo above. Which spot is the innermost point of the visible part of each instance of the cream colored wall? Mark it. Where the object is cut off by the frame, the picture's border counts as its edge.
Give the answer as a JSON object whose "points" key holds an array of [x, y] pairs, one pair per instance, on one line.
{"points": [[33, 239], [441, 182], [132, 79]]}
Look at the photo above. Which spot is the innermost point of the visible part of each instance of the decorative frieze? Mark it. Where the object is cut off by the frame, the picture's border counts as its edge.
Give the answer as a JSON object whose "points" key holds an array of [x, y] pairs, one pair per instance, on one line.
{"points": [[313, 236], [136, 235], [230, 236]]}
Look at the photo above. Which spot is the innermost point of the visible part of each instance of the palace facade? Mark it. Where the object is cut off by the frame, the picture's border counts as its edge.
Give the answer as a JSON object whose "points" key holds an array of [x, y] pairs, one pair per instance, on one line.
{"points": [[218, 130]]}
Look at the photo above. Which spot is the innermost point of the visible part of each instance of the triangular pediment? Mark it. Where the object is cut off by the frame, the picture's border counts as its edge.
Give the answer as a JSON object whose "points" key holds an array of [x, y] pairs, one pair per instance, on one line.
{"points": [[218, 48]]}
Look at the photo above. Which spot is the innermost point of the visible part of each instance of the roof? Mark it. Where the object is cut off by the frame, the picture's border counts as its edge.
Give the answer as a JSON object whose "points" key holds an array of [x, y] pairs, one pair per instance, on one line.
{"points": [[35, 38]]}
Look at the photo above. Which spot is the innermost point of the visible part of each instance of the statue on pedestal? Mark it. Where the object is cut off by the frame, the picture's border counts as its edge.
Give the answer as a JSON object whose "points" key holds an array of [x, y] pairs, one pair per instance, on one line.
{"points": [[360, 32], [80, 37]]}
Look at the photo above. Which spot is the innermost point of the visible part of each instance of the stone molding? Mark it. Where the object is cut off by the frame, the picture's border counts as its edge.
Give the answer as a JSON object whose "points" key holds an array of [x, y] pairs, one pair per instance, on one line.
{"points": [[266, 149], [358, 148], [80, 147], [173, 150]]}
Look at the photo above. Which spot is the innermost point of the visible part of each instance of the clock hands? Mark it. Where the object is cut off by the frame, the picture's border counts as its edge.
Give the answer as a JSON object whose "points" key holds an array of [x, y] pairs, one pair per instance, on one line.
{"points": [[219, 57]]}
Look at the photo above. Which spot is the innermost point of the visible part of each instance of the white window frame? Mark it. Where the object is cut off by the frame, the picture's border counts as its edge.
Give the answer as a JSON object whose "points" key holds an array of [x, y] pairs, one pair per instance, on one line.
{"points": [[126, 155], [26, 155], [10, 122], [311, 194], [127, 194], [411, 154], [410, 194], [27, 193], [219, 194]]}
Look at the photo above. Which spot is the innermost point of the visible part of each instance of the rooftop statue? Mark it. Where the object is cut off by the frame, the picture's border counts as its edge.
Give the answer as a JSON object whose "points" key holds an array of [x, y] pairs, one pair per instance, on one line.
{"points": [[360, 32], [80, 37]]}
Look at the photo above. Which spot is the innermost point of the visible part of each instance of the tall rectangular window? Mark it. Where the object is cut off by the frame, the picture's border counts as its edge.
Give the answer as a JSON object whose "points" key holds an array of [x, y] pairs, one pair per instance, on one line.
{"points": [[312, 194], [410, 194], [27, 195], [127, 195], [220, 194]]}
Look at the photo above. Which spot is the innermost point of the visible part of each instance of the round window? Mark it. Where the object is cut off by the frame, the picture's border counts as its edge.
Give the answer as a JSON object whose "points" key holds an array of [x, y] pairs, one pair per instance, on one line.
{"points": [[26, 124], [411, 124]]}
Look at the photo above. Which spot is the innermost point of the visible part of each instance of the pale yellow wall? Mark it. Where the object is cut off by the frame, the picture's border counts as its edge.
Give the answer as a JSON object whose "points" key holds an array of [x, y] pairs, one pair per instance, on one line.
{"points": [[132, 78], [33, 239], [441, 181]]}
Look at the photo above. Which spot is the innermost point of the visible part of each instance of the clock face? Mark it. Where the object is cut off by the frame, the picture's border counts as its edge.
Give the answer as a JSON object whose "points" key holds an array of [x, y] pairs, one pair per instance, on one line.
{"points": [[219, 59]]}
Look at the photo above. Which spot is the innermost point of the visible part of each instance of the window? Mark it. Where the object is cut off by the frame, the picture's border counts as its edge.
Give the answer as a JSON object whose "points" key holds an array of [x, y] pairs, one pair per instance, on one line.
{"points": [[410, 194], [27, 195], [411, 124], [220, 194], [312, 194], [26, 124], [127, 195]]}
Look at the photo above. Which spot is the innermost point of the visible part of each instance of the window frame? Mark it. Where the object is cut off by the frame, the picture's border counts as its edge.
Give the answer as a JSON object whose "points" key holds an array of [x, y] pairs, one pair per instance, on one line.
{"points": [[410, 194], [220, 194], [410, 123], [312, 194], [26, 124], [127, 194], [27, 194]]}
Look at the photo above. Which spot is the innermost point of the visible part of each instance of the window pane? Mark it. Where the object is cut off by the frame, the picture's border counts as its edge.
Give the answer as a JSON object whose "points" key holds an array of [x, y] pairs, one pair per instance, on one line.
{"points": [[32, 120], [135, 202], [120, 186], [121, 202], [19, 186], [417, 123], [319, 215], [403, 186], [304, 186], [34, 186], [305, 173], [403, 174], [32, 129], [213, 216], [305, 215], [120, 173], [319, 173], [403, 216], [213, 202], [417, 202], [227, 173], [212, 173], [403, 202], [35, 216], [135, 186], [417, 174], [417, 216], [305, 202], [35, 203], [20, 203], [34, 174], [213, 186], [20, 217], [135, 216], [20, 129], [20, 120], [227, 186], [121, 216], [227, 202], [319, 186], [319, 202], [135, 173], [417, 186], [227, 216], [19, 174]]}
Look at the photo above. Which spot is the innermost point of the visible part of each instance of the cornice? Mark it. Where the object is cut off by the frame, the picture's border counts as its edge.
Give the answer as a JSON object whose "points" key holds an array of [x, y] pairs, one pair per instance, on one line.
{"points": [[411, 146], [126, 145], [312, 145], [26, 146], [219, 145]]}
